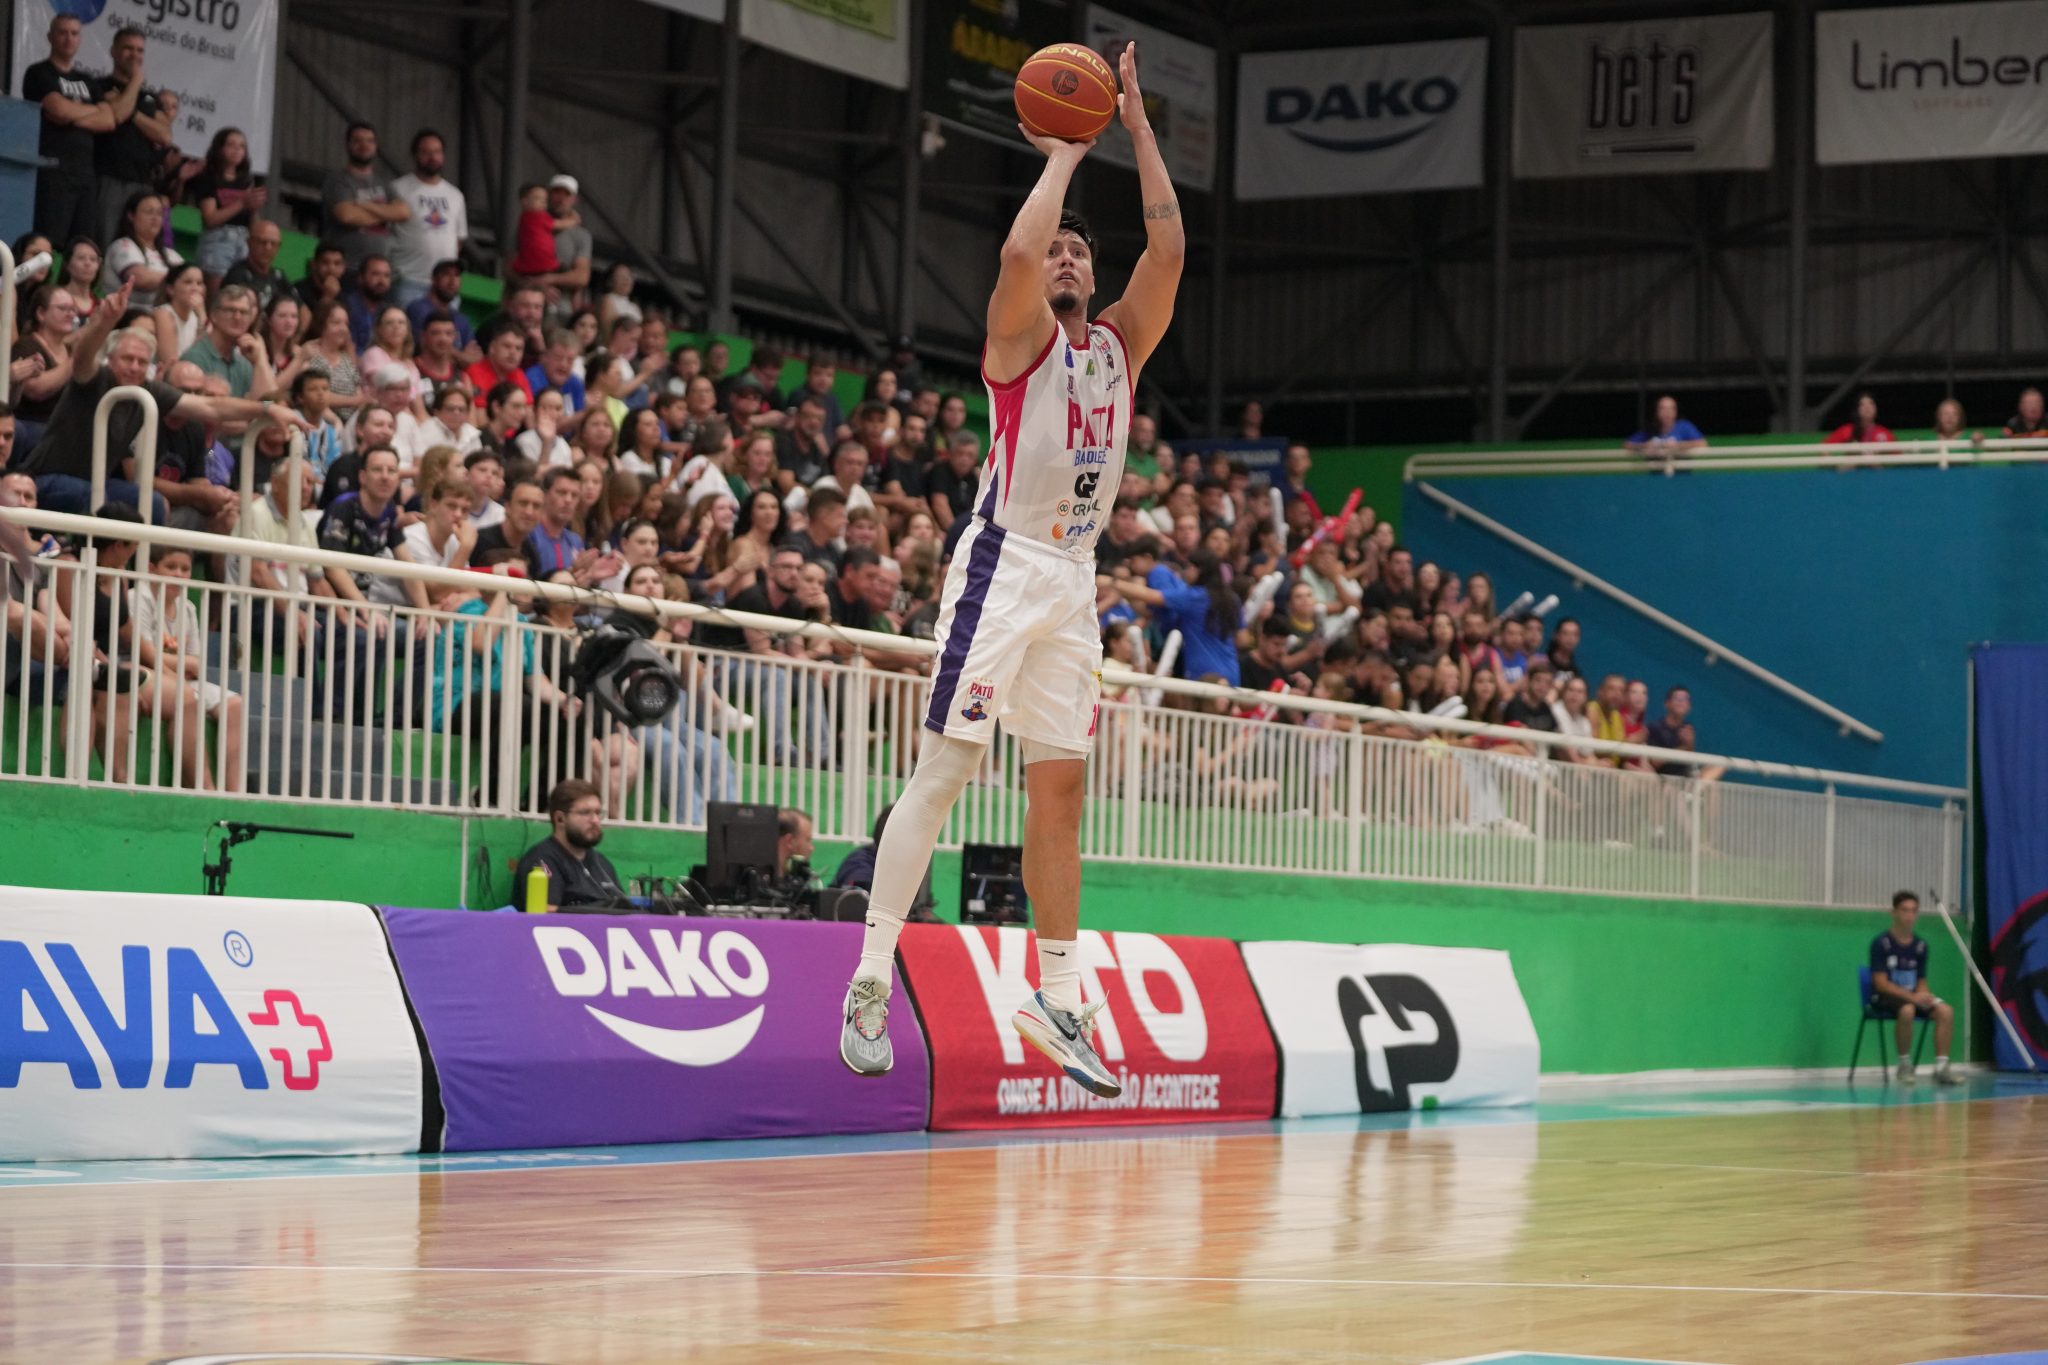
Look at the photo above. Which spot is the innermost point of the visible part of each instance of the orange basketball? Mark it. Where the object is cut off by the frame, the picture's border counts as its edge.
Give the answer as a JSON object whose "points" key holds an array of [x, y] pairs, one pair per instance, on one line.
{"points": [[1066, 91]]}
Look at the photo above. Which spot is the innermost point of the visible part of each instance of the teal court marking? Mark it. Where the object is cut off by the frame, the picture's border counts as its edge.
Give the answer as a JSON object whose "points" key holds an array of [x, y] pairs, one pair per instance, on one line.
{"points": [[1617, 1101]]}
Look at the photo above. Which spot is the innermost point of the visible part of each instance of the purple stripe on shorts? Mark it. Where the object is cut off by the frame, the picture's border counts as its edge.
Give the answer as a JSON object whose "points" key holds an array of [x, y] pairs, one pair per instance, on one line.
{"points": [[981, 572]]}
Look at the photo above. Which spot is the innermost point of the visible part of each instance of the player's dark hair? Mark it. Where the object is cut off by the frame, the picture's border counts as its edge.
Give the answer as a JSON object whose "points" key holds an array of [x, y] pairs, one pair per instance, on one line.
{"points": [[1073, 222], [859, 557], [1899, 898]]}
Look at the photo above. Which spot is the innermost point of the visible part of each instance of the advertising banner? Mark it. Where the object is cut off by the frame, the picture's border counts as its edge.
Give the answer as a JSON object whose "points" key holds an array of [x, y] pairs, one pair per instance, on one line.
{"points": [[1181, 1027], [583, 1030], [861, 38], [1178, 78], [973, 52], [1929, 82], [2012, 727], [219, 59], [1361, 120], [1384, 1027], [1643, 95], [194, 1026]]}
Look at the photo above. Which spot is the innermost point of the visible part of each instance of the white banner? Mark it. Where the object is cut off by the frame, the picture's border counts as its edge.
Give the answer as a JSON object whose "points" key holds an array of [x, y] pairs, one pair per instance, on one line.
{"points": [[219, 59], [191, 1026], [1643, 95], [1930, 82], [1179, 81], [1384, 1027], [817, 37], [1361, 120]]}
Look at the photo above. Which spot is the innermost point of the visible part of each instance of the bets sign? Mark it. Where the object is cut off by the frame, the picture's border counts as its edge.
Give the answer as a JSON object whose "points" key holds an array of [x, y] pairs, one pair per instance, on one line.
{"points": [[1181, 1027]]}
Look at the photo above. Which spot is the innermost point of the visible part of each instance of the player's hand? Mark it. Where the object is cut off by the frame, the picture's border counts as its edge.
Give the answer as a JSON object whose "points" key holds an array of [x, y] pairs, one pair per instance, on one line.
{"points": [[1129, 102], [1057, 148]]}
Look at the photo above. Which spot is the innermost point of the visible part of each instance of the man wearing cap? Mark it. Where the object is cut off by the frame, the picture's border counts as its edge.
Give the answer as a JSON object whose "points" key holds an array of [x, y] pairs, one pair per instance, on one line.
{"points": [[572, 244], [443, 295], [229, 348], [439, 222]]}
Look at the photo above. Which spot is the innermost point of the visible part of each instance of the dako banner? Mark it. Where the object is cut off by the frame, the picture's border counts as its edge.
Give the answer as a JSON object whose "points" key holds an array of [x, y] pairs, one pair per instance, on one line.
{"points": [[1178, 78], [584, 1030], [1643, 95], [1181, 1028], [1361, 120], [219, 59], [191, 1026], [1380, 1028], [973, 52], [1931, 82]]}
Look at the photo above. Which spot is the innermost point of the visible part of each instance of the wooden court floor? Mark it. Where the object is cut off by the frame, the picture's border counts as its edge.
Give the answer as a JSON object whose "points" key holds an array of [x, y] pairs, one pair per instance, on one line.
{"points": [[1731, 1230]]}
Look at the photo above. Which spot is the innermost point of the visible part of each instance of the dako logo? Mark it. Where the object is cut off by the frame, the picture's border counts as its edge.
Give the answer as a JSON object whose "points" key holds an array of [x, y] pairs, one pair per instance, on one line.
{"points": [[119, 1010], [1652, 86], [1372, 117], [1402, 1034], [683, 965]]}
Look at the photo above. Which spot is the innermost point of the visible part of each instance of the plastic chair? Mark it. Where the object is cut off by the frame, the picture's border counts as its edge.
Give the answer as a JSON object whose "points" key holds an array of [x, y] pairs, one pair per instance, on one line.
{"points": [[1870, 1016]]}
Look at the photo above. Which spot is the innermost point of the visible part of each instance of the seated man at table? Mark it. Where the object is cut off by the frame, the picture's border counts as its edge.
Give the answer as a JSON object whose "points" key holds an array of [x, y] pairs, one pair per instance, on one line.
{"points": [[577, 873], [1898, 989]]}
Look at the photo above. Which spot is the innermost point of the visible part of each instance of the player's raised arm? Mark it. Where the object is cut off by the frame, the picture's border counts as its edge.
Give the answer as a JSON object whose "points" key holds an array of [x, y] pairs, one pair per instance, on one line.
{"points": [[1147, 305], [1019, 318]]}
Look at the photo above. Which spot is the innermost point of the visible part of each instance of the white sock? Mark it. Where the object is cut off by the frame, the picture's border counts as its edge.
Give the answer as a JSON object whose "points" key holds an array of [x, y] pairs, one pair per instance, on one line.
{"points": [[1904, 1059], [1059, 973], [1941, 1063]]}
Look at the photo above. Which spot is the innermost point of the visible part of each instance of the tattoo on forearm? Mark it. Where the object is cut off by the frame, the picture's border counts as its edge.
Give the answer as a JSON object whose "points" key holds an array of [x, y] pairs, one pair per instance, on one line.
{"points": [[1165, 208]]}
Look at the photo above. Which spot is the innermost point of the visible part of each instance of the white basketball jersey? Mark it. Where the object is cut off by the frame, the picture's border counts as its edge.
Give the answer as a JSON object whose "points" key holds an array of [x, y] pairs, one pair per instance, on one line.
{"points": [[1056, 445]]}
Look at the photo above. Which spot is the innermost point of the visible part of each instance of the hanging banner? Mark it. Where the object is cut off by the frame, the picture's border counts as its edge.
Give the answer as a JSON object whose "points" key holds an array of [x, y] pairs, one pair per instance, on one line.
{"points": [[1178, 78], [1361, 120], [1379, 1028], [2012, 728], [869, 16], [862, 38], [1643, 96], [1931, 82], [192, 1026], [220, 60], [581, 1030], [973, 52], [1181, 1028]]}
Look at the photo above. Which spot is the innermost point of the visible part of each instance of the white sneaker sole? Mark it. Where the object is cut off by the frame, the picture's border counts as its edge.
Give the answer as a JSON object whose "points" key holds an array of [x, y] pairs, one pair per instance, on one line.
{"points": [[1043, 1036]]}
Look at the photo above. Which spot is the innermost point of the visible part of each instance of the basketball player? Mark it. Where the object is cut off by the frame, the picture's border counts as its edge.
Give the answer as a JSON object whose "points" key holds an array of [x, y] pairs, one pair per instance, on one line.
{"points": [[1017, 617]]}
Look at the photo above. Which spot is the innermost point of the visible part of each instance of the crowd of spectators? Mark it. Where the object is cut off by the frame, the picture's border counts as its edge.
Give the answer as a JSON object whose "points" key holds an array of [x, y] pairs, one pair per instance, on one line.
{"points": [[1670, 436]]}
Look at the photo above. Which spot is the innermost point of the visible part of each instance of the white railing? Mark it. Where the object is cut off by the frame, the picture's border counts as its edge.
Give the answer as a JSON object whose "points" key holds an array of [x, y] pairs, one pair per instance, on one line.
{"points": [[1919, 452], [441, 710]]}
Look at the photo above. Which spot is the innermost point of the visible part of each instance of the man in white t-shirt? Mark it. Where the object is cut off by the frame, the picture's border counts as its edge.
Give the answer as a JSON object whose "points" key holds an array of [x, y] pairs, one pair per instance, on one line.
{"points": [[444, 535], [849, 469], [439, 221]]}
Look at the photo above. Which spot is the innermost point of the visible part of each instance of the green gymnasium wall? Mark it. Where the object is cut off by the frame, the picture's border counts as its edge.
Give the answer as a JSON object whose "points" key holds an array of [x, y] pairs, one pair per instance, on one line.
{"points": [[1614, 984]]}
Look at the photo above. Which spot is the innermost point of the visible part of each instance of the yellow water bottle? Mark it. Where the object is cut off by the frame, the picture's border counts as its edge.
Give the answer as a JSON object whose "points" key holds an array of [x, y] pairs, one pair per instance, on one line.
{"points": [[537, 890]]}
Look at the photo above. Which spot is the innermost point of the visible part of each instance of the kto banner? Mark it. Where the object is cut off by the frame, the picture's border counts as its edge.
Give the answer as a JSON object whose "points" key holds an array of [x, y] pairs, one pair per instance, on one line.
{"points": [[1181, 1027], [219, 59], [1928, 82], [192, 1026], [1178, 78], [1361, 120], [566, 1030], [1384, 1027], [1643, 95], [973, 52]]}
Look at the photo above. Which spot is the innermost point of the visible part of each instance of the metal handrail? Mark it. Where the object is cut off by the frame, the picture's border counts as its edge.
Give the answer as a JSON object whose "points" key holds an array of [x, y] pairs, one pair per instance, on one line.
{"points": [[145, 465], [1918, 452], [1586, 578], [877, 642]]}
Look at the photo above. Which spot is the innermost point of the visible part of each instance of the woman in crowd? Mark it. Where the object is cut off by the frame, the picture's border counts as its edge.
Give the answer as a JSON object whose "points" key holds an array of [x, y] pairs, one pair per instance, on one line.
{"points": [[1429, 590], [1570, 710], [640, 444], [81, 276], [583, 326], [595, 439], [330, 346], [135, 255], [229, 199], [391, 344], [1479, 598], [52, 318], [591, 519], [756, 467], [181, 316], [447, 425], [639, 548], [542, 421], [764, 530]]}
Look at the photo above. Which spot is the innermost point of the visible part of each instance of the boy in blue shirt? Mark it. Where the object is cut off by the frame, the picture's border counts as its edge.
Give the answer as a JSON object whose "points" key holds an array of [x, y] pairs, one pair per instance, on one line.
{"points": [[1898, 985]]}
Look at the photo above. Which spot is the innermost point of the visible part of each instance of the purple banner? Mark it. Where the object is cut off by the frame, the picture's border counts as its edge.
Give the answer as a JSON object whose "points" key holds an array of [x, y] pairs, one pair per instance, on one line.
{"points": [[590, 1030]]}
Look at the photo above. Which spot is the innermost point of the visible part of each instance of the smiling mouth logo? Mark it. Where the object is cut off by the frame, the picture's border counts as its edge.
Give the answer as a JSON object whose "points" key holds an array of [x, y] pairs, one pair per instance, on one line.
{"points": [[687, 1046]]}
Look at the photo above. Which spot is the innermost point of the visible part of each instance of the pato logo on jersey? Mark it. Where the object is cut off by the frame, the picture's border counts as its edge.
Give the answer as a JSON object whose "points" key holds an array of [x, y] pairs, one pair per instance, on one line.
{"points": [[981, 694]]}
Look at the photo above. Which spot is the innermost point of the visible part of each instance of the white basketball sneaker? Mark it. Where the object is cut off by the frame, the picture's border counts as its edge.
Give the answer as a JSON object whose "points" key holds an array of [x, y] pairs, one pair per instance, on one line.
{"points": [[1064, 1037]]}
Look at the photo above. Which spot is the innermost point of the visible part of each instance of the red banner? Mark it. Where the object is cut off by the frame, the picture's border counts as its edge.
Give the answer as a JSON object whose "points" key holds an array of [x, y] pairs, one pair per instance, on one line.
{"points": [[1182, 1028]]}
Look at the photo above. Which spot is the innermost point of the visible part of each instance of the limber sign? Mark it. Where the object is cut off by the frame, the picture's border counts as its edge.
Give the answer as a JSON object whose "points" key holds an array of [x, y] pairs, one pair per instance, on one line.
{"points": [[567, 1030], [1181, 1028]]}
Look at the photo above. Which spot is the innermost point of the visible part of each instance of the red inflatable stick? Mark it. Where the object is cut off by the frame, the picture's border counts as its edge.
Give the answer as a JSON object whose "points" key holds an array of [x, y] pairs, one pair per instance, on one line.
{"points": [[1331, 526]]}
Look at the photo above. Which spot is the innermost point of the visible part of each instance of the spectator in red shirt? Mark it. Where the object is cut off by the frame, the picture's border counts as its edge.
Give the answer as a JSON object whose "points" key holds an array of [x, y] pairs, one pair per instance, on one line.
{"points": [[1866, 427], [500, 364]]}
